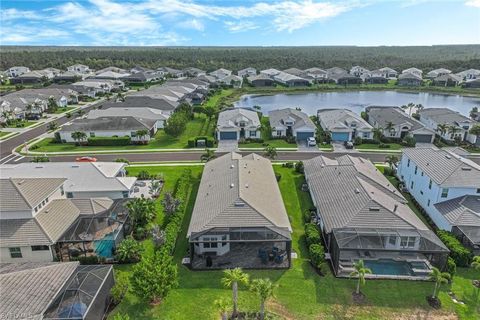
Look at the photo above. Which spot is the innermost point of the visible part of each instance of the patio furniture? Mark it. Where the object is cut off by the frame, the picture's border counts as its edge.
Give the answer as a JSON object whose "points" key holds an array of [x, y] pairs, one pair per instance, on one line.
{"points": [[280, 257]]}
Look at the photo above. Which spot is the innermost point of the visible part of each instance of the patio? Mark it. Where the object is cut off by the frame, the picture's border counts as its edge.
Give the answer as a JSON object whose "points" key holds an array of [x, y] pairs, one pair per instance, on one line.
{"points": [[245, 256]]}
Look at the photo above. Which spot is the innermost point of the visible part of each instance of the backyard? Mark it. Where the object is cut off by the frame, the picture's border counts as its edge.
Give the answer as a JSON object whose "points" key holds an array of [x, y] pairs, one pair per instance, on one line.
{"points": [[300, 293]]}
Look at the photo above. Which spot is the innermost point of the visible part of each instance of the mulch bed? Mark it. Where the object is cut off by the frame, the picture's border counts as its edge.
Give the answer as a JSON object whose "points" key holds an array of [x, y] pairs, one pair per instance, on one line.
{"points": [[434, 302], [358, 298]]}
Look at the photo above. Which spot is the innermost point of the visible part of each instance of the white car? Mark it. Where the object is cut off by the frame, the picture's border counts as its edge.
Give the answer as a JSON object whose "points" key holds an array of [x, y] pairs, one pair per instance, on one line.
{"points": [[311, 142]]}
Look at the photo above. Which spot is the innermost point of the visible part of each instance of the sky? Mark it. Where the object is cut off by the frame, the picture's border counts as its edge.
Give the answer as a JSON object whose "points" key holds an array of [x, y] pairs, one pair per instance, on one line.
{"points": [[239, 22]]}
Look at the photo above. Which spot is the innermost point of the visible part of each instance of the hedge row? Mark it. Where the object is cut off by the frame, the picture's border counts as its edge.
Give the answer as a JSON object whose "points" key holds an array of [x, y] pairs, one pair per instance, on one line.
{"points": [[174, 224], [209, 141], [461, 255], [109, 141], [315, 247]]}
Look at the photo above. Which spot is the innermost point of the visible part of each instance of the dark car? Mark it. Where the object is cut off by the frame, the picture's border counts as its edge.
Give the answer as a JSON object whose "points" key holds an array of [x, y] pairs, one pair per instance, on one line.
{"points": [[348, 144]]}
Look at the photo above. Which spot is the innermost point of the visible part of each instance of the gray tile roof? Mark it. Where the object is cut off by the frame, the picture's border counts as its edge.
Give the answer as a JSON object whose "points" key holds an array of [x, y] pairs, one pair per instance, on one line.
{"points": [[122, 123], [139, 113], [238, 191], [341, 119], [409, 75], [444, 115], [92, 205], [25, 194], [461, 211], [29, 290], [143, 102], [57, 217], [278, 117], [397, 116], [445, 168], [351, 192], [228, 118], [81, 176], [22, 233]]}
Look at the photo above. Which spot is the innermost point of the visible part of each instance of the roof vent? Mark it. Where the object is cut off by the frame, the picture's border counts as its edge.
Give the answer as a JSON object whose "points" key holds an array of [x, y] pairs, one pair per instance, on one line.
{"points": [[246, 185], [466, 169], [448, 156], [232, 166], [232, 185], [374, 209], [75, 166], [239, 204], [357, 191], [395, 207]]}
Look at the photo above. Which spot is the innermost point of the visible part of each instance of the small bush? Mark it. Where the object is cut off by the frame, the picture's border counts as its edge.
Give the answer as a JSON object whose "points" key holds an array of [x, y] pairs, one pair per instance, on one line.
{"points": [[34, 147], [384, 146], [317, 254], [87, 260], [299, 167], [191, 143], [143, 175], [278, 177], [451, 267], [460, 255], [120, 288], [357, 141], [409, 141], [388, 171], [323, 268], [288, 165], [312, 234], [109, 141]]}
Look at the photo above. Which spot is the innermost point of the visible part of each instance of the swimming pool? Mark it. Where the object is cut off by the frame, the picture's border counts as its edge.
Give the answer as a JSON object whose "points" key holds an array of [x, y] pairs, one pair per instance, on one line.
{"points": [[104, 247], [389, 267]]}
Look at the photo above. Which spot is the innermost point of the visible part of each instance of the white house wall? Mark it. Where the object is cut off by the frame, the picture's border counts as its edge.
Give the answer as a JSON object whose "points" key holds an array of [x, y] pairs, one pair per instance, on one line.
{"points": [[27, 255]]}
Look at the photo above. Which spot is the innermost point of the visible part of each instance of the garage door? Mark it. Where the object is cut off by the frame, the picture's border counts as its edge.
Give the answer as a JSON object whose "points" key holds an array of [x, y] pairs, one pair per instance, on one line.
{"points": [[340, 136], [425, 138], [228, 135], [304, 135]]}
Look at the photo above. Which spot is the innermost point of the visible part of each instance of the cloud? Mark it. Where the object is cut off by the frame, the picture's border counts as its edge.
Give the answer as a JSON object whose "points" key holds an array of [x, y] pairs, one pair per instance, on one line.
{"points": [[14, 14], [240, 26], [193, 24], [473, 3]]}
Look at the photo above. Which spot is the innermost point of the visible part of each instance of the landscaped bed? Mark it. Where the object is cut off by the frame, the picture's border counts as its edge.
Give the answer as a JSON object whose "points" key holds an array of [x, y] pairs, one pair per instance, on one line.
{"points": [[392, 146], [300, 293]]}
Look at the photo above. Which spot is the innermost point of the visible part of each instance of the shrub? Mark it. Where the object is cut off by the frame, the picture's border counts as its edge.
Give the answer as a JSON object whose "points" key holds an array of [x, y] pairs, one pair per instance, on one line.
{"points": [[122, 160], [278, 177], [34, 147], [109, 141], [299, 167], [288, 164], [120, 288], [409, 141], [388, 171], [323, 268], [460, 255], [291, 139], [191, 143], [87, 260], [312, 234], [176, 124], [129, 250], [317, 254], [451, 267], [383, 146], [357, 141]]}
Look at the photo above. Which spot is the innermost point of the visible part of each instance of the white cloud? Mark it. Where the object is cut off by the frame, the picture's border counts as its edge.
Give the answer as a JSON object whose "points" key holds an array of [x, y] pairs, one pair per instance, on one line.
{"points": [[14, 14], [193, 24], [240, 26], [473, 3]]}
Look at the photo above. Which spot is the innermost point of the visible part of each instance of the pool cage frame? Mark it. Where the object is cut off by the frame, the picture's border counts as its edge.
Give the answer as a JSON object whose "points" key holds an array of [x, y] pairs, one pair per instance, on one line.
{"points": [[469, 236], [94, 228], [371, 243]]}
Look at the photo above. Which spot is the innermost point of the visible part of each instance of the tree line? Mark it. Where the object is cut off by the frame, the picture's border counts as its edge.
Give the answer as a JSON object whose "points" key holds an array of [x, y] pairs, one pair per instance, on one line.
{"points": [[454, 57]]}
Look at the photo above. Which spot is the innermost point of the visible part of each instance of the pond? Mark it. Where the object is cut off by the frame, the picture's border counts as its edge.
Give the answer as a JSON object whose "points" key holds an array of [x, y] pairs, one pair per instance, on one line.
{"points": [[356, 100]]}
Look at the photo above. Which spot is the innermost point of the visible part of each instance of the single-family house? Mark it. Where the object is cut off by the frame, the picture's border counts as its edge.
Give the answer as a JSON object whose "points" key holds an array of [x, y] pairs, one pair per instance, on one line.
{"points": [[457, 125], [175, 73], [83, 179], [290, 80], [447, 80], [55, 290], [376, 77], [35, 76], [470, 74], [362, 216], [68, 77], [408, 79], [296, 72], [345, 78], [447, 187], [142, 77], [387, 72], [194, 72], [232, 80], [165, 106], [474, 83], [111, 69], [335, 70], [395, 123], [318, 74], [247, 72], [437, 72], [270, 72], [260, 80], [110, 75], [17, 71], [138, 113], [291, 123], [81, 68], [414, 71], [220, 73], [237, 123], [111, 126], [360, 72], [239, 219], [344, 125], [93, 87]]}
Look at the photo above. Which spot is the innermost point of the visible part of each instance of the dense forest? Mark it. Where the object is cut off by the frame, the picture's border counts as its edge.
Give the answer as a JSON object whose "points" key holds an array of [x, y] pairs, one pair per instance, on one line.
{"points": [[454, 57]]}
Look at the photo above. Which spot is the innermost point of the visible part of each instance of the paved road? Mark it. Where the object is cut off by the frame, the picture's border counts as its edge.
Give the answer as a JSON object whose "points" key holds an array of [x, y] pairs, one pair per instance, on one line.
{"points": [[7, 146], [195, 156]]}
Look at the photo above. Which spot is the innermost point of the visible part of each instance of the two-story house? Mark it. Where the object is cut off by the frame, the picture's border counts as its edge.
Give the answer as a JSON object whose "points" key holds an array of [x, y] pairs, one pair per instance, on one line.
{"points": [[237, 123], [457, 125], [447, 186]]}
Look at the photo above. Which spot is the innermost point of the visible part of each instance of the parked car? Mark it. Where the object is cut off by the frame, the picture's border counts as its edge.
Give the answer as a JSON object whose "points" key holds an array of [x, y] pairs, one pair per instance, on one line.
{"points": [[86, 159], [348, 144], [311, 142]]}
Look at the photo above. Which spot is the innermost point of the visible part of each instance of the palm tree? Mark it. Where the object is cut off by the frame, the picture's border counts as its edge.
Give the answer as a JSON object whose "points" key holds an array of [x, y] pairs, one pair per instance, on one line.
{"points": [[142, 134], [52, 126], [208, 155], [271, 152], [222, 306], [377, 133], [29, 108], [475, 130], [452, 130], [389, 126], [120, 97], [410, 106], [439, 278], [474, 113], [391, 160], [79, 136], [154, 188], [442, 128], [264, 289], [420, 107], [231, 279], [360, 272]]}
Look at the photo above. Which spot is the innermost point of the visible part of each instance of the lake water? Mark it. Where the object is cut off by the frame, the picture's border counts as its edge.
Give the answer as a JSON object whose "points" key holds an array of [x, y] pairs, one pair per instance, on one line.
{"points": [[356, 100]]}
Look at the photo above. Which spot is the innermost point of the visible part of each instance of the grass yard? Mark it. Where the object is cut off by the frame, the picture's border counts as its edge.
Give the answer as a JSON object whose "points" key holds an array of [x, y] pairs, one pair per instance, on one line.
{"points": [[25, 123], [3, 133], [66, 109], [218, 98], [200, 125], [393, 146], [300, 292]]}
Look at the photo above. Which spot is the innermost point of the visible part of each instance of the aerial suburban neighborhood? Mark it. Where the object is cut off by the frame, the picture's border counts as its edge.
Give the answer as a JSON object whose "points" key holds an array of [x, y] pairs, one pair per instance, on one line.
{"points": [[151, 170]]}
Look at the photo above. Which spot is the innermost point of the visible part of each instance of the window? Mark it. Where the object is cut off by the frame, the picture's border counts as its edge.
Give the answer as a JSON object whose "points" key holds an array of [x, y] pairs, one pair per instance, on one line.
{"points": [[366, 134], [69, 195], [133, 134], [125, 194], [416, 169], [15, 252], [241, 124], [209, 242], [478, 190], [392, 133], [392, 240], [444, 193], [408, 163], [421, 174], [407, 242], [430, 184], [40, 248], [411, 185], [428, 203], [421, 192], [92, 134], [253, 133], [279, 132], [224, 239]]}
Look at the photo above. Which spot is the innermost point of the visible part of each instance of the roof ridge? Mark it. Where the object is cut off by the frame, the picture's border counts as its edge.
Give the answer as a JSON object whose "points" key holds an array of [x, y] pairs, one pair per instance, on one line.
{"points": [[19, 191], [51, 264]]}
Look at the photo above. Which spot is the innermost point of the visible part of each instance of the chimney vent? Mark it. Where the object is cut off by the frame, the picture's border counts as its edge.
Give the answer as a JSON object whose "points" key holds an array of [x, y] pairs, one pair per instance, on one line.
{"points": [[395, 207]]}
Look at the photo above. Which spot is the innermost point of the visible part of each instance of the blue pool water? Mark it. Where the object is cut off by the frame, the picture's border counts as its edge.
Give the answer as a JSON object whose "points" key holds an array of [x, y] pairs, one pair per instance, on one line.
{"points": [[389, 267], [104, 247]]}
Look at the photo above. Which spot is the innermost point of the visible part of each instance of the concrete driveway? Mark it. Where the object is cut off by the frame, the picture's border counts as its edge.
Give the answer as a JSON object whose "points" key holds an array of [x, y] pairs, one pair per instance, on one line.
{"points": [[340, 147], [227, 145], [303, 147]]}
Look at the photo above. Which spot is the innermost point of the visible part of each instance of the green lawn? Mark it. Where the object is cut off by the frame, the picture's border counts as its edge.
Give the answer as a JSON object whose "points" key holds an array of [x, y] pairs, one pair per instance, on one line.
{"points": [[66, 109], [26, 124], [393, 146], [218, 98], [300, 292], [198, 126], [3, 133]]}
